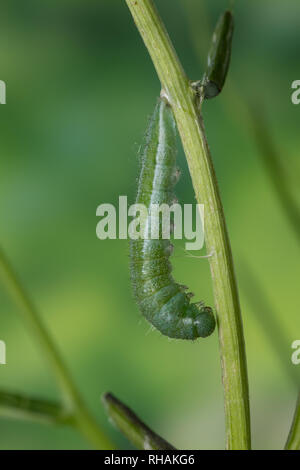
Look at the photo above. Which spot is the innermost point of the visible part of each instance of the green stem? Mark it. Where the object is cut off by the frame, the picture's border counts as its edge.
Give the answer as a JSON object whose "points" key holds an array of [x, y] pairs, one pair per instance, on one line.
{"points": [[181, 97], [72, 400], [137, 432], [293, 442], [18, 406]]}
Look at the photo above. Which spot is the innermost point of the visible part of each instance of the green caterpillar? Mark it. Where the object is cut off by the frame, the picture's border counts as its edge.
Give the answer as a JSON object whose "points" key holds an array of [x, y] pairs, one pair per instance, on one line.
{"points": [[162, 301], [219, 56]]}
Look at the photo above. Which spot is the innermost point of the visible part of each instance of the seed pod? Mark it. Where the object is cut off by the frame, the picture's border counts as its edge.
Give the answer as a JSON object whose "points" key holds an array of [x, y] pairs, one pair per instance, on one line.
{"points": [[162, 301], [219, 56]]}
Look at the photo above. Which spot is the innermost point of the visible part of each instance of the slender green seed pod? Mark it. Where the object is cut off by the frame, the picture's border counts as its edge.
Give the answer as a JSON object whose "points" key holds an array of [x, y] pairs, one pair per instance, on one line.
{"points": [[219, 56], [162, 301]]}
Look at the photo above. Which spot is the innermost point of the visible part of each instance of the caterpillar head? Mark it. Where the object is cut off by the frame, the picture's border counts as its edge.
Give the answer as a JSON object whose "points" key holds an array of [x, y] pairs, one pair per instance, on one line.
{"points": [[204, 321]]}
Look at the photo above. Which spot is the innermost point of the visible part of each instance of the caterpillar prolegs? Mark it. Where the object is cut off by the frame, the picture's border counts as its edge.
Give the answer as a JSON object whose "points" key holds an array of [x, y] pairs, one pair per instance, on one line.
{"points": [[163, 302]]}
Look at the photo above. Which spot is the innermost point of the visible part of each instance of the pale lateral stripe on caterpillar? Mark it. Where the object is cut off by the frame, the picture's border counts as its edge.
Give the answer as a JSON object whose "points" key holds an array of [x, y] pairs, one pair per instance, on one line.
{"points": [[162, 301]]}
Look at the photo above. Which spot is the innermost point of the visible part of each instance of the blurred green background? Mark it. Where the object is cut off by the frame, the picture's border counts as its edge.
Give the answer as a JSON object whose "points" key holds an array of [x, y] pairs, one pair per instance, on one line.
{"points": [[80, 87]]}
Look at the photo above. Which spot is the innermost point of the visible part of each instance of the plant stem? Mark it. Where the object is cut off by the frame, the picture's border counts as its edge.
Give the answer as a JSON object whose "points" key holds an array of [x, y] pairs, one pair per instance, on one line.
{"points": [[293, 442], [72, 400], [137, 432], [18, 406], [181, 97]]}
